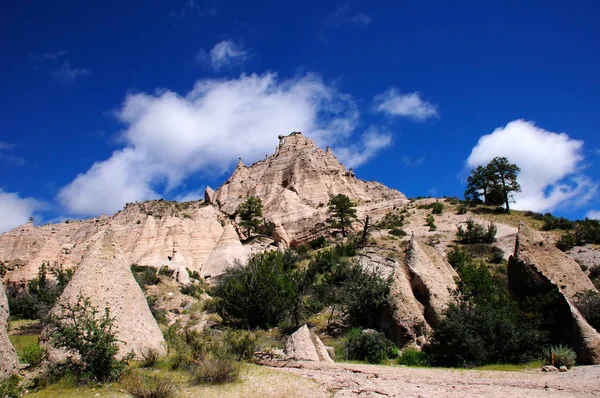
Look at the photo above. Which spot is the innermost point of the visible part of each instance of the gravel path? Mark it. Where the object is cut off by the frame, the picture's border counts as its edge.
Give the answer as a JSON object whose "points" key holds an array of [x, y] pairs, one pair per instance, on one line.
{"points": [[351, 380]]}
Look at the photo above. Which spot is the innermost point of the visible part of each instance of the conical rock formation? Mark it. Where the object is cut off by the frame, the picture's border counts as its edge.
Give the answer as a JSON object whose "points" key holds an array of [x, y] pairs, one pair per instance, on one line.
{"points": [[9, 362], [295, 185], [228, 251], [104, 276], [305, 345], [537, 267]]}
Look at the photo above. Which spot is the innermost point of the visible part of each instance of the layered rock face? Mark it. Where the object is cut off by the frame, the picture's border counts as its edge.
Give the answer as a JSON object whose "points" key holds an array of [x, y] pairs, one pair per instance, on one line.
{"points": [[422, 289], [295, 185], [537, 267], [150, 233], [9, 362], [104, 276]]}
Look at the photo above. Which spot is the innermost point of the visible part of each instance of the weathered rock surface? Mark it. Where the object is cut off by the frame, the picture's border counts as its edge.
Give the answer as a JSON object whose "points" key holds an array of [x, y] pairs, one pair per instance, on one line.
{"points": [[104, 276], [537, 267], [305, 345], [295, 185], [9, 362], [421, 289]]}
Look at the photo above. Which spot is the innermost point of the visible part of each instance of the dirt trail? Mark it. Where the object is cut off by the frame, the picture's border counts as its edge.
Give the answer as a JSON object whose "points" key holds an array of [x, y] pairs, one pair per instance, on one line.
{"points": [[352, 380]]}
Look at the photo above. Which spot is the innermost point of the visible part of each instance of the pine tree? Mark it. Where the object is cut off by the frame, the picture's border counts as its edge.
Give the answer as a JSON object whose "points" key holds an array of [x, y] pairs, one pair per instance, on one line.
{"points": [[342, 213]]}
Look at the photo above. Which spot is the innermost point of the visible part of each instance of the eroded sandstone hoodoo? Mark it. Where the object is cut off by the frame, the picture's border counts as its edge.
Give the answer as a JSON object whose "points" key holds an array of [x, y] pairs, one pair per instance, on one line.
{"points": [[9, 362], [105, 277], [537, 267], [305, 345]]}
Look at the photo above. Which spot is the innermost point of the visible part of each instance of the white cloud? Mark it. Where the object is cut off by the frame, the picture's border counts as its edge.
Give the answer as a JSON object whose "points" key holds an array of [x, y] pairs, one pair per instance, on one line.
{"points": [[342, 16], [15, 210], [66, 73], [169, 137], [366, 148], [224, 54], [593, 214], [409, 105], [550, 165]]}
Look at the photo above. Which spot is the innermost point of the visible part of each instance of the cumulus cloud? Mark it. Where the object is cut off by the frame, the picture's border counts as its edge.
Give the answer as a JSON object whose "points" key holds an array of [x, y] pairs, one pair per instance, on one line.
{"points": [[15, 210], [551, 175], [410, 105], [593, 214], [224, 54], [169, 137]]}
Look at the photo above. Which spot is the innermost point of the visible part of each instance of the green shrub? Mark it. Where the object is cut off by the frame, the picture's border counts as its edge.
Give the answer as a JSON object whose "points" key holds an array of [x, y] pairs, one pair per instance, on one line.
{"points": [[437, 208], [36, 299], [241, 344], [430, 221], [33, 354], [215, 370], [369, 345], [560, 355], [497, 256], [267, 228], [566, 242], [366, 295], [193, 274], [166, 271], [346, 250], [397, 232], [142, 386], [10, 387], [260, 295], [318, 243], [145, 276], [551, 222], [476, 233], [192, 289], [149, 357], [588, 303], [412, 357], [462, 209], [159, 314], [391, 220], [459, 257], [90, 338]]}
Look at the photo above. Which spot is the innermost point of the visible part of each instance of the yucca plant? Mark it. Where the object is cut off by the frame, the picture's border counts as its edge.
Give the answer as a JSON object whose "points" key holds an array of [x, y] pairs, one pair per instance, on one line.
{"points": [[559, 355]]}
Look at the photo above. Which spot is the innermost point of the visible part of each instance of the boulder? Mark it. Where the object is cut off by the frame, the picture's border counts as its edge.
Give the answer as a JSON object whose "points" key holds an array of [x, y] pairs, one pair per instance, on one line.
{"points": [[538, 267], [9, 362], [209, 195], [305, 345], [105, 277], [549, 368]]}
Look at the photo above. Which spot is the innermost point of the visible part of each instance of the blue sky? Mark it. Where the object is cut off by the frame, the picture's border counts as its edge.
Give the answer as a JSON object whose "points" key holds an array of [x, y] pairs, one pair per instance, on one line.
{"points": [[106, 103]]}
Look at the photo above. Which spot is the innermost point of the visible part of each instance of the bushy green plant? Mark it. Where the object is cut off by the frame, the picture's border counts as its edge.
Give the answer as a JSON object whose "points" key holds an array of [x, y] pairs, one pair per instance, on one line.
{"points": [[10, 387], [346, 250], [144, 275], [33, 354], [250, 212], [259, 295], [430, 221], [36, 299], [559, 355], [90, 339], [566, 242], [551, 222], [166, 271], [476, 233], [144, 386], [318, 243], [192, 289], [412, 357], [193, 274], [241, 343], [342, 213], [149, 357], [397, 232], [370, 346], [437, 208], [216, 370], [588, 303], [462, 209], [497, 255]]}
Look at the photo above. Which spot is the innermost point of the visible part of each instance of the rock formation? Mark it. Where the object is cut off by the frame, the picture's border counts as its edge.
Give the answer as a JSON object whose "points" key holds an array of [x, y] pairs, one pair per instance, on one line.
{"points": [[305, 345], [422, 289], [295, 185], [537, 267], [9, 362], [104, 276]]}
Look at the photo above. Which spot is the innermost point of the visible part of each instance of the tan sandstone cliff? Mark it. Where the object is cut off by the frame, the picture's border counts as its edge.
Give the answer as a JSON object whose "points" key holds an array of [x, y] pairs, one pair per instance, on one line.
{"points": [[104, 276], [538, 267], [9, 363]]}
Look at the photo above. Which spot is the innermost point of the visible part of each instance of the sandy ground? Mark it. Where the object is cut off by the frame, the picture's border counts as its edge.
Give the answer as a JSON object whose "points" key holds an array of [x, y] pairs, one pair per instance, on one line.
{"points": [[353, 380]]}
